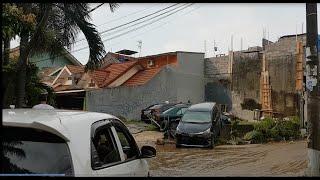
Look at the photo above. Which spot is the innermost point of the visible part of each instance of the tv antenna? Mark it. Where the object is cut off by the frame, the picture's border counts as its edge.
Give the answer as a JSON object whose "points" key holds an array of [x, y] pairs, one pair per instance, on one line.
{"points": [[139, 46]]}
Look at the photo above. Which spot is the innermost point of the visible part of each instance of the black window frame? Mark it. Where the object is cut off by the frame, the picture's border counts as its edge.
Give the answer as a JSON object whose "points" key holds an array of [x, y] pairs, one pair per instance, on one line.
{"points": [[132, 141], [97, 126]]}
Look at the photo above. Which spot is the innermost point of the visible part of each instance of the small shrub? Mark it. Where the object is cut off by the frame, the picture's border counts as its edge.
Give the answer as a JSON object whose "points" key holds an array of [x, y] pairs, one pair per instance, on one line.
{"points": [[234, 131], [235, 141], [289, 129], [265, 127], [221, 141], [254, 136], [274, 133]]}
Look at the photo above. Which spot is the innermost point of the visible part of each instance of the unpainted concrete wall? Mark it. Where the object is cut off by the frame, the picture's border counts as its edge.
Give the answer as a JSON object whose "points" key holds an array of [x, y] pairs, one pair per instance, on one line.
{"points": [[217, 92], [189, 87], [189, 77], [216, 68], [129, 101], [246, 71], [191, 63], [281, 59], [174, 84], [245, 81]]}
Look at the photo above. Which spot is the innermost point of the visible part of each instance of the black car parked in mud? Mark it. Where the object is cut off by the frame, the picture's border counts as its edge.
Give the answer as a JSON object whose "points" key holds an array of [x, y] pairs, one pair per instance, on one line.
{"points": [[172, 116], [154, 111], [200, 126]]}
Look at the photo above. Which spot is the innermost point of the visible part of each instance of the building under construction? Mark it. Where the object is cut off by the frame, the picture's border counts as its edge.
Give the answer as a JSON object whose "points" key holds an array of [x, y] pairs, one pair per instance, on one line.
{"points": [[259, 81]]}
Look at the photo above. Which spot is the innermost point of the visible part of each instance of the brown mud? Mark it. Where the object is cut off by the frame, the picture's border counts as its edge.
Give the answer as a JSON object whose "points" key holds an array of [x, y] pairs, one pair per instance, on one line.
{"points": [[271, 159]]}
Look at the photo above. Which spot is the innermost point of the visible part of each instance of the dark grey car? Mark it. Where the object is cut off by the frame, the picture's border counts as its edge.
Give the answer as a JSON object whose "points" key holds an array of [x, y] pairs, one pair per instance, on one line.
{"points": [[199, 126]]}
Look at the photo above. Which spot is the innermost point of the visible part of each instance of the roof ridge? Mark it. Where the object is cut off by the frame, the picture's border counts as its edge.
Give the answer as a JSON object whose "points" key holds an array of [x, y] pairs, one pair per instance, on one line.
{"points": [[134, 63]]}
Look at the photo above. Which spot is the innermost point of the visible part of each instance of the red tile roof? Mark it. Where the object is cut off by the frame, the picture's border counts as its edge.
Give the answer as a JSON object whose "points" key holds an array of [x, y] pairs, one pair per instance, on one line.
{"points": [[116, 70], [75, 69], [142, 77], [99, 76]]}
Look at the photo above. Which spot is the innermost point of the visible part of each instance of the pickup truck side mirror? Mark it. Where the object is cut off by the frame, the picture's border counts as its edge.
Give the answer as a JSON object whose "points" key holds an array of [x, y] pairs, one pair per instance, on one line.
{"points": [[148, 152]]}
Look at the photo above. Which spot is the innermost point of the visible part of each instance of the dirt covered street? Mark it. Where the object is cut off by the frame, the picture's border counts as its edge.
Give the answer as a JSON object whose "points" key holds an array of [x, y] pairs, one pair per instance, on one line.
{"points": [[271, 159]]}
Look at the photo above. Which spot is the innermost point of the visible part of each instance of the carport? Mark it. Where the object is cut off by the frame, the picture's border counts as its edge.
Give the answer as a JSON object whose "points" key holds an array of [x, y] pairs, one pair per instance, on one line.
{"points": [[72, 99]]}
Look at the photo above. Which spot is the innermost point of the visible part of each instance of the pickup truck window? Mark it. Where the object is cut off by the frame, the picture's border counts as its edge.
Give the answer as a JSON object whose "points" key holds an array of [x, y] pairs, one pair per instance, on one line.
{"points": [[32, 151], [104, 150], [129, 148]]}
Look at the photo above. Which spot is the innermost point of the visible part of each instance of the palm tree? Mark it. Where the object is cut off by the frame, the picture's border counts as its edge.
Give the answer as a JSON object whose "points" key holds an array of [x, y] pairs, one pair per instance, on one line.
{"points": [[57, 25], [11, 148]]}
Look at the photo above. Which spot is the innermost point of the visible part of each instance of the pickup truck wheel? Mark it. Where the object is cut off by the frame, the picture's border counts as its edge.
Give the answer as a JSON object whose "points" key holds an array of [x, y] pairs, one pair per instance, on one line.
{"points": [[163, 125]]}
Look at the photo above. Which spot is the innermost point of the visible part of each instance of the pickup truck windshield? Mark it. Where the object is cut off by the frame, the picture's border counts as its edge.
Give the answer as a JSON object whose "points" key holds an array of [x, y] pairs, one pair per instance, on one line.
{"points": [[34, 152]]}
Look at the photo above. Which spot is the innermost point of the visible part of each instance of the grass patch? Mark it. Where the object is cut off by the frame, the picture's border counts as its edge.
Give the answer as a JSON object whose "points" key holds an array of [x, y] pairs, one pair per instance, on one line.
{"points": [[151, 127]]}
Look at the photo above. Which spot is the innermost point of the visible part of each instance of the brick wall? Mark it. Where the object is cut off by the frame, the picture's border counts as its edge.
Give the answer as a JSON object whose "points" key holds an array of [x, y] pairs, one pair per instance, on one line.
{"points": [[281, 59], [217, 68]]}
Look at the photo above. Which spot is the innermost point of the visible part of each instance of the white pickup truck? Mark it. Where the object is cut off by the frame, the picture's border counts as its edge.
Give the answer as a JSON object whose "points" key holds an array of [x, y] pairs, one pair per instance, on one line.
{"points": [[69, 143]]}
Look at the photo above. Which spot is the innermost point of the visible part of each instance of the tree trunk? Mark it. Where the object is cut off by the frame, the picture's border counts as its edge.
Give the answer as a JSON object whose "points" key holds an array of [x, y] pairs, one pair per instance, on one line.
{"points": [[6, 51], [5, 61], [25, 48], [22, 67]]}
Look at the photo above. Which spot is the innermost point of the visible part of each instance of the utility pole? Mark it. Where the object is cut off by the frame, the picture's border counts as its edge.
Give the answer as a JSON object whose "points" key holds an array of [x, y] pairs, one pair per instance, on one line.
{"points": [[313, 91]]}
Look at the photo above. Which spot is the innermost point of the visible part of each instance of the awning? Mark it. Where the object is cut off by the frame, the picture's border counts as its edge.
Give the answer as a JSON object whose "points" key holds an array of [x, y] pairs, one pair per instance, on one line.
{"points": [[70, 91]]}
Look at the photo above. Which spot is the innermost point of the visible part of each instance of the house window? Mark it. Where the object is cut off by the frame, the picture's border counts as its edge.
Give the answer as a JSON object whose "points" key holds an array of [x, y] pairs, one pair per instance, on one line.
{"points": [[70, 78], [150, 63], [92, 84]]}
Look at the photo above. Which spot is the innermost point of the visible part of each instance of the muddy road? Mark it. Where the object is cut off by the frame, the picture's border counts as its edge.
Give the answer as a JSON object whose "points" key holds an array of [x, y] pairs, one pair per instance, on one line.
{"points": [[271, 159]]}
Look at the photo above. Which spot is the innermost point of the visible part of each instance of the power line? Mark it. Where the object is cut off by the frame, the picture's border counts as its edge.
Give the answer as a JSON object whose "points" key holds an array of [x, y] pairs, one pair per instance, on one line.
{"points": [[145, 24], [111, 29], [120, 34], [136, 12], [146, 20], [161, 25], [111, 33]]}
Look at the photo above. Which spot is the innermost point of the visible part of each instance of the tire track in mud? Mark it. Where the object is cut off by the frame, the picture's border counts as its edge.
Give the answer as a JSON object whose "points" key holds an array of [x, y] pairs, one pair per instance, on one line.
{"points": [[200, 161], [271, 159], [290, 167], [256, 160]]}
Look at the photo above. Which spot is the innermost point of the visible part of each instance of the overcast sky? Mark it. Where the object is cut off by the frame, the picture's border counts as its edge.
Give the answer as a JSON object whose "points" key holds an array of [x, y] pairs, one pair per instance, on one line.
{"points": [[188, 29]]}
